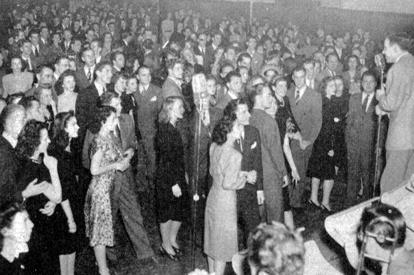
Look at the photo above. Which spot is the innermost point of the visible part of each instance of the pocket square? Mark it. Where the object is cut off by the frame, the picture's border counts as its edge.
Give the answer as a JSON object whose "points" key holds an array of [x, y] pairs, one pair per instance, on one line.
{"points": [[336, 120], [253, 145], [154, 98]]}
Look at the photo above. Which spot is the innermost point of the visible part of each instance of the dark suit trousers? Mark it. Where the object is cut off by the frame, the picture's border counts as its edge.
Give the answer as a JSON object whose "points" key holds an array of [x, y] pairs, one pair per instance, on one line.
{"points": [[247, 212], [125, 209], [360, 170], [301, 158]]}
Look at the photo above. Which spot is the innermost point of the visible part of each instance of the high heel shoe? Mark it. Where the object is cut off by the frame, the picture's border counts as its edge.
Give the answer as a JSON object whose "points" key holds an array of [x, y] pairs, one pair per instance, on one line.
{"points": [[312, 203], [164, 253], [326, 209], [178, 251]]}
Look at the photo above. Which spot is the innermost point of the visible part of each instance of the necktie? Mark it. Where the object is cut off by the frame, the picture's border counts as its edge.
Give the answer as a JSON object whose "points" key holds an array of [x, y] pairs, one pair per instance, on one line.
{"points": [[36, 52], [297, 96], [118, 133], [89, 76], [364, 103]]}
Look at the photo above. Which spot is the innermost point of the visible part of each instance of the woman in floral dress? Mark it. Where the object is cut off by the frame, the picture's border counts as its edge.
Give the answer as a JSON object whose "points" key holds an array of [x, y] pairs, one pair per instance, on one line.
{"points": [[106, 158]]}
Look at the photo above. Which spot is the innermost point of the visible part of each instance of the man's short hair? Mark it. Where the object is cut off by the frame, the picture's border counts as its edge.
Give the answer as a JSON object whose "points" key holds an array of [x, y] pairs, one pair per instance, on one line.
{"points": [[330, 55], [114, 55], [8, 112], [243, 55], [402, 39], [173, 62], [232, 74]]}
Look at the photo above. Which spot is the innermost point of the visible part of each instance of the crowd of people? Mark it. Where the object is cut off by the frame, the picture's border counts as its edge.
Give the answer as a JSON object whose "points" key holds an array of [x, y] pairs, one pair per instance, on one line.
{"points": [[100, 102]]}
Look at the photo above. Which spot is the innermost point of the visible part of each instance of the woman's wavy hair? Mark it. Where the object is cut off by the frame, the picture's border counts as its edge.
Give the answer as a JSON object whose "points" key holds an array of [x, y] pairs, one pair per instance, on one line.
{"points": [[164, 114], [102, 115], [324, 84], [222, 128], [59, 83], [29, 139], [276, 250], [60, 138], [8, 211], [231, 108]]}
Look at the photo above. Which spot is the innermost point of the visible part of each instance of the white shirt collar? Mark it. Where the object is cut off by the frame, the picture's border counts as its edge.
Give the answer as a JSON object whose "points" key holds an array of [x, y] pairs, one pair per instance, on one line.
{"points": [[370, 97], [100, 88], [143, 88], [301, 91], [10, 139], [87, 69]]}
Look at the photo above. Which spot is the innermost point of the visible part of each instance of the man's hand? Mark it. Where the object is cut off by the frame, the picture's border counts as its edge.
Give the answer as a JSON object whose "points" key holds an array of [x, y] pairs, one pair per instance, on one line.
{"points": [[252, 177], [285, 181], [304, 144], [49, 208], [379, 111], [260, 197], [380, 94], [34, 189], [129, 153]]}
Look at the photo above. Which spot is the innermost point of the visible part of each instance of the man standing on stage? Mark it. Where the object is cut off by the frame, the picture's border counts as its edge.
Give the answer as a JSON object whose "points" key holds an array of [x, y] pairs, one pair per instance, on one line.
{"points": [[398, 101]]}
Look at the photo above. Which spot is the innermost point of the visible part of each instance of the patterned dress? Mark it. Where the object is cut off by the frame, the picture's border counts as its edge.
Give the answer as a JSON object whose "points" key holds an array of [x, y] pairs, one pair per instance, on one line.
{"points": [[98, 215]]}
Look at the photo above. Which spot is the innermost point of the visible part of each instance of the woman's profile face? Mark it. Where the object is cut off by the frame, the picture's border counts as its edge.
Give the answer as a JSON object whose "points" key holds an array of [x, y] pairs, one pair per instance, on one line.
{"points": [[111, 122], [44, 141], [177, 109], [72, 127], [339, 85], [330, 88]]}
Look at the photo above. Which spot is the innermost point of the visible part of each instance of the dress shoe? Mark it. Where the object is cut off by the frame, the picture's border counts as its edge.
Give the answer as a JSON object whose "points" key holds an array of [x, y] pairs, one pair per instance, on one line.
{"points": [[164, 253]]}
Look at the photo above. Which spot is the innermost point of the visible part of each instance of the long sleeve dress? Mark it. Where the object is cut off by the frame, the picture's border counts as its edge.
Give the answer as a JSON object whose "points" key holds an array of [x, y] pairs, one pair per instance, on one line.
{"points": [[321, 165], [170, 170], [68, 243], [42, 257], [220, 221]]}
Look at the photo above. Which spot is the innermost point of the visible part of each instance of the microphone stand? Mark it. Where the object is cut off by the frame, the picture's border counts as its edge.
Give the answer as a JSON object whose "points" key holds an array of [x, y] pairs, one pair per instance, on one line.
{"points": [[378, 149]]}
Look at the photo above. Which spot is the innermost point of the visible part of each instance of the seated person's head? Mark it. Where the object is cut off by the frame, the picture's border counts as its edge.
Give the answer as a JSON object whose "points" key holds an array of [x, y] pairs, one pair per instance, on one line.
{"points": [[381, 224], [15, 227], [276, 250]]}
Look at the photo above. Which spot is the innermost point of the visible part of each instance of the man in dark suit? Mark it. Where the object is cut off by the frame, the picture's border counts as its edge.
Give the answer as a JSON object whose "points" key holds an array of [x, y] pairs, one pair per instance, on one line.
{"points": [[398, 101], [87, 100], [29, 60], [306, 107], [200, 52], [84, 74], [118, 62], [67, 41], [149, 100], [13, 119], [124, 199], [172, 85], [273, 162], [234, 89], [360, 134], [251, 196]]}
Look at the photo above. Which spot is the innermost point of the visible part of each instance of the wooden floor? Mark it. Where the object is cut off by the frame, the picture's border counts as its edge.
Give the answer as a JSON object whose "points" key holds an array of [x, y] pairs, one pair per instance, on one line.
{"points": [[310, 218]]}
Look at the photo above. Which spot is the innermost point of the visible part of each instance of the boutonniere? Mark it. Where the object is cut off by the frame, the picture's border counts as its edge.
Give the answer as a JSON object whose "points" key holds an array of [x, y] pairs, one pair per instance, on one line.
{"points": [[336, 120], [154, 98], [253, 145]]}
